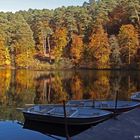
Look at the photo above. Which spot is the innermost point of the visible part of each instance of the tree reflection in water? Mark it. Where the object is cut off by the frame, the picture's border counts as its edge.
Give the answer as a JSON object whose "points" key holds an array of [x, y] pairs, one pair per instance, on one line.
{"points": [[22, 87]]}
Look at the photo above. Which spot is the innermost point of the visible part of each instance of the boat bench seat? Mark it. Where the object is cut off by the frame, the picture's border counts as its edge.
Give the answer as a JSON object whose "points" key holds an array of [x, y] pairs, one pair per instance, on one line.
{"points": [[60, 112], [89, 114], [39, 110]]}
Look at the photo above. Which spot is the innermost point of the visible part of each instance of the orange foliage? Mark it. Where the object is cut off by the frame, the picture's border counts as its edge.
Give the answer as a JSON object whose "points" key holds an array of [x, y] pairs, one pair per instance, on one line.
{"points": [[76, 87], [76, 48], [60, 42], [128, 39], [99, 46]]}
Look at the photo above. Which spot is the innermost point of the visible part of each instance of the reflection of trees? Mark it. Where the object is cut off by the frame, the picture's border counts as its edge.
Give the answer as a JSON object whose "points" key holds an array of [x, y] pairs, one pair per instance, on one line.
{"points": [[43, 89], [136, 80], [127, 84], [76, 87], [124, 82], [49, 89], [115, 84], [95, 84], [101, 88], [5, 77], [21, 88], [25, 79], [10, 113], [58, 93]]}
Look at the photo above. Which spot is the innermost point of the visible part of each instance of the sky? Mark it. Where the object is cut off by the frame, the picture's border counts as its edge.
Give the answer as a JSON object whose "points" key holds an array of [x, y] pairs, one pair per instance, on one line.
{"points": [[16, 5]]}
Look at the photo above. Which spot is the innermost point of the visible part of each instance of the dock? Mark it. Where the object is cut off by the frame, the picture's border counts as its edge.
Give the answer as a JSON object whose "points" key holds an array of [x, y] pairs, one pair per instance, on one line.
{"points": [[124, 127]]}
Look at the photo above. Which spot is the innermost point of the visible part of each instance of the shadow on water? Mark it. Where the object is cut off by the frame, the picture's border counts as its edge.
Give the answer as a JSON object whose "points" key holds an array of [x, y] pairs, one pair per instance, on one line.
{"points": [[53, 130], [56, 131]]}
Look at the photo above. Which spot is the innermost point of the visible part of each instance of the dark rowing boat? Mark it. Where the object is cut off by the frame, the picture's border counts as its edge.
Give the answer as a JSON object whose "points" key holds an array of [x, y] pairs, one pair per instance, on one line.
{"points": [[136, 96], [74, 115], [117, 107]]}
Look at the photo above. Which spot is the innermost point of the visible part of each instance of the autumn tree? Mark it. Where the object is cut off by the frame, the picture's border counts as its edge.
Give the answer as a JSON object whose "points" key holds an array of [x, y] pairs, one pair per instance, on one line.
{"points": [[36, 26], [60, 42], [133, 9], [22, 43], [56, 34], [76, 48], [128, 40], [4, 57], [115, 57], [99, 48]]}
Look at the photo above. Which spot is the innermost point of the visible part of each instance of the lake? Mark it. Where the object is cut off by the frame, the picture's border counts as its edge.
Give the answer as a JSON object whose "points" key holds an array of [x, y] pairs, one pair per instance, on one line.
{"points": [[22, 87]]}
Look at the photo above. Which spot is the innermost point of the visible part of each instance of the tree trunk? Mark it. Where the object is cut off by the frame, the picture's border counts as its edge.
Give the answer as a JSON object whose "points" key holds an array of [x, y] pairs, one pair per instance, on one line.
{"points": [[129, 57], [44, 45], [49, 48]]}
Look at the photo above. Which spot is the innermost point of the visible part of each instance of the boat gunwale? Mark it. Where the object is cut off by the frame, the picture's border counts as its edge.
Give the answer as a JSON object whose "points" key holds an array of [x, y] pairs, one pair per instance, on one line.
{"points": [[107, 107], [103, 113]]}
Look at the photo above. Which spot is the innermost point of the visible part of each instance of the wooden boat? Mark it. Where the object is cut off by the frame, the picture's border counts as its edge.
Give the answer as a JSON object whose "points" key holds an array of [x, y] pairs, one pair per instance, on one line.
{"points": [[136, 96], [74, 115], [117, 107]]}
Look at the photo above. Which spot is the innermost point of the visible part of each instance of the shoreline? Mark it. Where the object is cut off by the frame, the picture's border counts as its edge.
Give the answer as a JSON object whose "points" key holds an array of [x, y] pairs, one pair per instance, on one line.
{"points": [[76, 69]]}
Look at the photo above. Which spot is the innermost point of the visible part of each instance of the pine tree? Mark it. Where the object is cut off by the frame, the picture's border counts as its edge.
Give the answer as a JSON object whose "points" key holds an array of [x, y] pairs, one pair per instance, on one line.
{"points": [[22, 43]]}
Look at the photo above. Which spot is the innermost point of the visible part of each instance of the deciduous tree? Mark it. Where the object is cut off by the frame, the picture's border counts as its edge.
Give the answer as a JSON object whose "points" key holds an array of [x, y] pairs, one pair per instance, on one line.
{"points": [[99, 48], [76, 48], [128, 40]]}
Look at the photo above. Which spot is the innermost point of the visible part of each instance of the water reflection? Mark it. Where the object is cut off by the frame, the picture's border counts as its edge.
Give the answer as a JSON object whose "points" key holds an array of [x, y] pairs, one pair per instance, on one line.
{"points": [[53, 130], [13, 131], [22, 87]]}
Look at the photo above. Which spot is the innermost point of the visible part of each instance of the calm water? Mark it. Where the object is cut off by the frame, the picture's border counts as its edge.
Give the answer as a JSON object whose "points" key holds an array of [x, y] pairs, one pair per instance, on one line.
{"points": [[22, 87]]}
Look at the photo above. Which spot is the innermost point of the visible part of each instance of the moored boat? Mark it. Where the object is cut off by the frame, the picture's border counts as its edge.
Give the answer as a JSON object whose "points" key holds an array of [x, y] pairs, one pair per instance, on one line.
{"points": [[74, 115], [117, 107], [136, 96]]}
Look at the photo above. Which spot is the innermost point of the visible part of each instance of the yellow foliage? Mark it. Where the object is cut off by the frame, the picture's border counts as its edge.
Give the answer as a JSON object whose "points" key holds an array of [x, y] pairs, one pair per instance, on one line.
{"points": [[128, 40], [60, 42], [99, 46], [76, 48], [76, 87], [4, 53]]}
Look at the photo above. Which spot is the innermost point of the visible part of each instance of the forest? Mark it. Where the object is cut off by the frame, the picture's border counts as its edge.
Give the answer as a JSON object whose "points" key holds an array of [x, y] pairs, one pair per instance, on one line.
{"points": [[100, 34]]}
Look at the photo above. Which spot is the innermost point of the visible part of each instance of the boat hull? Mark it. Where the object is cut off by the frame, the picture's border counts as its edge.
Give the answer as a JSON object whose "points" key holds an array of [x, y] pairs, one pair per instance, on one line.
{"points": [[61, 120], [136, 97], [118, 110], [122, 106]]}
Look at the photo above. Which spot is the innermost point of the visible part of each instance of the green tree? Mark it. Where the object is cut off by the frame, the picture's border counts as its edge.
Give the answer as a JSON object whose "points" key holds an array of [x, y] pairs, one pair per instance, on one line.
{"points": [[21, 43], [133, 10]]}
